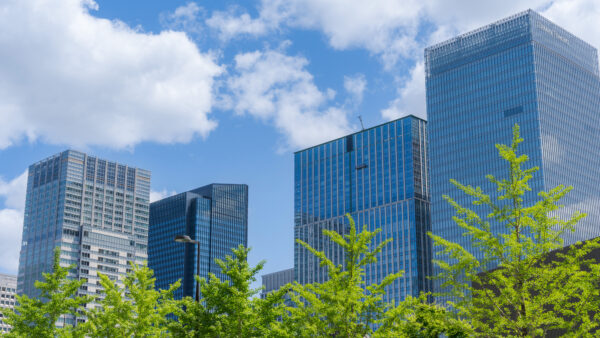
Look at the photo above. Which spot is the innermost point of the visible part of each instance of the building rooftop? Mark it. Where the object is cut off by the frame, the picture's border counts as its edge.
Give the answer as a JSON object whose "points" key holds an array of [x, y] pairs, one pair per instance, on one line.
{"points": [[362, 131], [5, 278], [504, 33], [51, 157]]}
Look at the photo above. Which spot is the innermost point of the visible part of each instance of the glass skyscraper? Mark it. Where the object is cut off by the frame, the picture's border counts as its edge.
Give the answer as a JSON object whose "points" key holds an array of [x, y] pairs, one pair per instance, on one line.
{"points": [[95, 210], [523, 69], [380, 177], [216, 215]]}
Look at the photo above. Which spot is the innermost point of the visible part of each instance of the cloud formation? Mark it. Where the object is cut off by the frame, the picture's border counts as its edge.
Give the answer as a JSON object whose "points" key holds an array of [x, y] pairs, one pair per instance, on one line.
{"points": [[389, 29], [355, 86], [67, 77], [411, 96], [579, 17], [386, 28], [184, 18], [277, 89], [399, 30], [75, 79], [11, 221], [233, 23]]}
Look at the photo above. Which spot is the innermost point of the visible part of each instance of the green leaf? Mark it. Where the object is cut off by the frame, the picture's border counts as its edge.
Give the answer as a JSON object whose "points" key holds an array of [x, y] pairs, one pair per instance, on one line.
{"points": [[529, 293]]}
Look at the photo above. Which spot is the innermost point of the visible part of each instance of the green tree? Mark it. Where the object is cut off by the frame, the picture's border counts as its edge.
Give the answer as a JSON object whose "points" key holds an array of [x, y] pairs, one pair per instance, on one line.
{"points": [[417, 317], [528, 293], [229, 308], [344, 305], [58, 299], [135, 310]]}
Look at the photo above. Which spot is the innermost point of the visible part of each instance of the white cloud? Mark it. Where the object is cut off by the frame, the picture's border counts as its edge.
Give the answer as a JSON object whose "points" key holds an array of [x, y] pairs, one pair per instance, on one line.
{"points": [[394, 30], [230, 25], [471, 14], [11, 221], [159, 87], [14, 191], [159, 195], [411, 96], [389, 29], [278, 89], [185, 18], [386, 28], [67, 77], [355, 85], [579, 17]]}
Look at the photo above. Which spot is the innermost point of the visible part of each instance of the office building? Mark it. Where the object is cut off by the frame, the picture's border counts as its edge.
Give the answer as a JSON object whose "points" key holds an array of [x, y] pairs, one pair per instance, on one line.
{"points": [[380, 177], [275, 280], [215, 215], [95, 210], [8, 290], [520, 70]]}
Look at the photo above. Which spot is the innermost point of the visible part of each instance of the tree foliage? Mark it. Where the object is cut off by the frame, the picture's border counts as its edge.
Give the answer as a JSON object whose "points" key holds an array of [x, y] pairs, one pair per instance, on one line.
{"points": [[417, 317], [345, 306], [229, 308], [135, 310], [530, 292], [537, 287], [37, 317]]}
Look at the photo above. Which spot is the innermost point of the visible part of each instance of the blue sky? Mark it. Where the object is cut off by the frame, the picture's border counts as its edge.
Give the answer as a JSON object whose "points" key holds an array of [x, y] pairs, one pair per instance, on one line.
{"points": [[218, 91]]}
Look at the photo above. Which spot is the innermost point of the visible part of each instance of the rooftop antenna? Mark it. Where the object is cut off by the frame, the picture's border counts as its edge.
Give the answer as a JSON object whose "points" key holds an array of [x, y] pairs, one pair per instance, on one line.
{"points": [[361, 122]]}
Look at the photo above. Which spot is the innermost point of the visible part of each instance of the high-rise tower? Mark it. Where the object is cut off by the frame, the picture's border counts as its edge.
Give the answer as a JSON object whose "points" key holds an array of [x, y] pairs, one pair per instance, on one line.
{"points": [[95, 210], [216, 216], [380, 177], [526, 70]]}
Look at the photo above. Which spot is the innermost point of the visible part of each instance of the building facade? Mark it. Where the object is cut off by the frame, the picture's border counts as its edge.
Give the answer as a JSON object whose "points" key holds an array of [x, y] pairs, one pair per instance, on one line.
{"points": [[95, 210], [8, 290], [380, 177], [520, 70], [215, 215], [275, 280]]}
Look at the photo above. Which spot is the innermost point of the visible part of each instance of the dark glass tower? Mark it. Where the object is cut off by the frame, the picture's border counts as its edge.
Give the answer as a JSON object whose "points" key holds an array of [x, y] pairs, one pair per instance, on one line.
{"points": [[523, 69], [379, 176], [95, 210], [216, 215]]}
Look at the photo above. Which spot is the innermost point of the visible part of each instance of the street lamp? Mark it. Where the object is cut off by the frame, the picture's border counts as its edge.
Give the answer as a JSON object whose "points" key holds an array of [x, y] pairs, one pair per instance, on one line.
{"points": [[187, 239]]}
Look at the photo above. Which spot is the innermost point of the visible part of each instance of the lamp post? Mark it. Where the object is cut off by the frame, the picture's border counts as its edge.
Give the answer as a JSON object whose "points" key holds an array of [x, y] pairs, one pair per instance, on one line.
{"points": [[187, 239]]}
